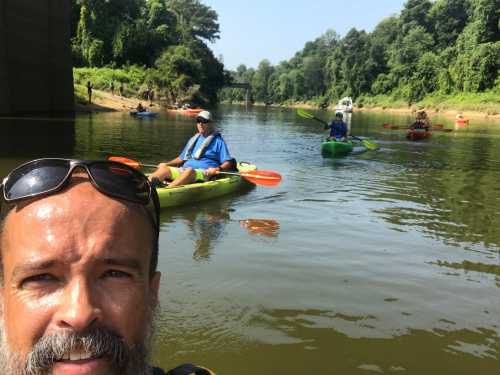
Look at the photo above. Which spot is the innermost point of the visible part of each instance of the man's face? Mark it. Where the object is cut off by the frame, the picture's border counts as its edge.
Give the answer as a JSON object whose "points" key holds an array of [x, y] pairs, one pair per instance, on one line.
{"points": [[204, 128], [77, 263]]}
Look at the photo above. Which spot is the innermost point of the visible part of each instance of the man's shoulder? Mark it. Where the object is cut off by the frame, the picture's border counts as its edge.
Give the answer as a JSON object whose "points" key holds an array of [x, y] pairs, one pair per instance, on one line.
{"points": [[187, 369]]}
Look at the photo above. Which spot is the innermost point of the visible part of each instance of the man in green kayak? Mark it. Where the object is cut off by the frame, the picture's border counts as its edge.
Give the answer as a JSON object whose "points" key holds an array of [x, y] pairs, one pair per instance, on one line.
{"points": [[338, 128], [205, 155], [78, 272]]}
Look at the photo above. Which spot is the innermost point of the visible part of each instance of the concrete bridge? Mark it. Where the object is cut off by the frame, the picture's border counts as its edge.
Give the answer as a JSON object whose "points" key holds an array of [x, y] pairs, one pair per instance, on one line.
{"points": [[35, 57]]}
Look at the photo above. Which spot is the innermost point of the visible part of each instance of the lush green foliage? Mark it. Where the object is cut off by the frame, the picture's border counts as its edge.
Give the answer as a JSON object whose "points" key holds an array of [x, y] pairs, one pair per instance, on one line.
{"points": [[135, 79], [166, 37], [433, 49]]}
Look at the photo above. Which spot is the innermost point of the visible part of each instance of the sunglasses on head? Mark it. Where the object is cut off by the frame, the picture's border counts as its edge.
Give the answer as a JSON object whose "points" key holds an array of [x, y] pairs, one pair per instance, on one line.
{"points": [[48, 176], [202, 120]]}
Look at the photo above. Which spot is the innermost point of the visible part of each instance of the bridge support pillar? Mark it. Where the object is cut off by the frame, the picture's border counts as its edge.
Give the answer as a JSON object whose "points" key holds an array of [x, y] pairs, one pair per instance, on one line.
{"points": [[36, 73]]}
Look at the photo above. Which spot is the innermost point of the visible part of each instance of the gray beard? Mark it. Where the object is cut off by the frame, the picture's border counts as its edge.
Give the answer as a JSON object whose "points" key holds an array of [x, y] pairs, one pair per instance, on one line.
{"points": [[130, 361]]}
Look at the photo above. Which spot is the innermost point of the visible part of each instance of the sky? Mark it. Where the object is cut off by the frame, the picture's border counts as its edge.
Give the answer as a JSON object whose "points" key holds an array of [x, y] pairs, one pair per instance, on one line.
{"points": [[253, 30]]}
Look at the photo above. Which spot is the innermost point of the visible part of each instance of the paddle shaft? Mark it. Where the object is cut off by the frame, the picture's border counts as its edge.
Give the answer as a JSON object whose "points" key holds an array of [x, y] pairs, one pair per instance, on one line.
{"points": [[149, 165], [242, 174]]}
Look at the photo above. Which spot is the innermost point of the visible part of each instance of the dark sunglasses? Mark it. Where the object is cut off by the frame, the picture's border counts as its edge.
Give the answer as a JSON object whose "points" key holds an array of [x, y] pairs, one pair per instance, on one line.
{"points": [[202, 120], [48, 176]]}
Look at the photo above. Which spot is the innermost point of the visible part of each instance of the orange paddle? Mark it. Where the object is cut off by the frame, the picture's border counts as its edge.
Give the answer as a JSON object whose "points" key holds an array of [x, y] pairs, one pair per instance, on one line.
{"points": [[262, 178]]}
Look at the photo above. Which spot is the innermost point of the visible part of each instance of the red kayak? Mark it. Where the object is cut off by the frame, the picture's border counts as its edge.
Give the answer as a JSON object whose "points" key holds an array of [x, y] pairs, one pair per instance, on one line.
{"points": [[419, 133], [186, 112], [462, 121]]}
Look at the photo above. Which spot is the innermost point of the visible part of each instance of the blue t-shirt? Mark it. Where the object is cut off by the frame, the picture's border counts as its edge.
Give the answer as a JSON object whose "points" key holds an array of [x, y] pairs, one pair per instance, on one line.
{"points": [[338, 129], [214, 155]]}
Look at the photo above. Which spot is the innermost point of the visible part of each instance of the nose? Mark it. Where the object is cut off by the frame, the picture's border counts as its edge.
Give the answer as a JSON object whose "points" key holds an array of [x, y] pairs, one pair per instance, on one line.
{"points": [[78, 309]]}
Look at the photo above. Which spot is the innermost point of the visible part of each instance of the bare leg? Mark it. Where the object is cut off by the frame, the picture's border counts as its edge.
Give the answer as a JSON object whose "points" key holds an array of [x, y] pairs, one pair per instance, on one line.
{"points": [[162, 173], [188, 176]]}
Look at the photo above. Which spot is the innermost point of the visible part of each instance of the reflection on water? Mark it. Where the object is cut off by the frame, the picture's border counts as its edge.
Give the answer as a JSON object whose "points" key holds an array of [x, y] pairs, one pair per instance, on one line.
{"points": [[36, 137], [265, 227], [384, 261]]}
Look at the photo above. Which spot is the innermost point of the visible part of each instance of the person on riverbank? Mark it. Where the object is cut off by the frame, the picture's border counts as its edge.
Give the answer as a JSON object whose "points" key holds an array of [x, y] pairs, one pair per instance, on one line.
{"points": [[204, 156], [151, 96], [112, 86], [89, 91], [338, 128], [78, 279], [122, 89]]}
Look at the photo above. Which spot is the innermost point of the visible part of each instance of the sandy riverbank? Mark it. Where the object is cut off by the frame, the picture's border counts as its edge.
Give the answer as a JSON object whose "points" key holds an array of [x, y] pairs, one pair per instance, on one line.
{"points": [[103, 101], [447, 113]]}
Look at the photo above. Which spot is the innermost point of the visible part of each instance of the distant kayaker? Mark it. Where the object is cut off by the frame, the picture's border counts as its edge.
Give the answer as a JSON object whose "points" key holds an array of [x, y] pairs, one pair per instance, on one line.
{"points": [[204, 156], [141, 108], [89, 91], [421, 121], [338, 128]]}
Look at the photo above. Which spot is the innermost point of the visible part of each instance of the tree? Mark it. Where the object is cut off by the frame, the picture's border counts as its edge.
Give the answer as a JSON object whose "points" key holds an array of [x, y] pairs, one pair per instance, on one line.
{"points": [[261, 80], [448, 18], [179, 70], [195, 20], [313, 76], [424, 79], [406, 52], [415, 13], [486, 20]]}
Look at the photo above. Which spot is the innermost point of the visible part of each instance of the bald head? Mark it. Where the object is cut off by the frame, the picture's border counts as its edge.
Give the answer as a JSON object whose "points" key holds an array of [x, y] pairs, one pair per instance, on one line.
{"points": [[77, 265], [78, 217]]}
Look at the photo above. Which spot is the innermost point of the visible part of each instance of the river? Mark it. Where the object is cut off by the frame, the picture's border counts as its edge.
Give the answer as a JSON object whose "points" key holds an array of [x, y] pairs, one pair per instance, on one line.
{"points": [[384, 261]]}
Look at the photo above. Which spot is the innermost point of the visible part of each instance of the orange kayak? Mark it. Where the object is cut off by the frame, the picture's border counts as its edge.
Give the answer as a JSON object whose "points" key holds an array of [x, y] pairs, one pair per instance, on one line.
{"points": [[416, 134], [187, 112]]}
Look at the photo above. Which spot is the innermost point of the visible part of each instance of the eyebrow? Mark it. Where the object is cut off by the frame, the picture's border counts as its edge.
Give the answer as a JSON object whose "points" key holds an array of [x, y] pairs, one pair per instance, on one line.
{"points": [[29, 267], [131, 263], [33, 266]]}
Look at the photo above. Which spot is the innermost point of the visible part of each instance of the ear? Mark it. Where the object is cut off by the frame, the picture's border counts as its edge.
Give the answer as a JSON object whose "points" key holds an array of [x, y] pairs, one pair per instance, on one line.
{"points": [[2, 291], [154, 287]]}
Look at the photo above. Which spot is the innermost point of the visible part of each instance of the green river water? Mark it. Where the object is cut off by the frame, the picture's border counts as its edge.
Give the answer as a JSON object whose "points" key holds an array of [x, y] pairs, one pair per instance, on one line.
{"points": [[383, 261]]}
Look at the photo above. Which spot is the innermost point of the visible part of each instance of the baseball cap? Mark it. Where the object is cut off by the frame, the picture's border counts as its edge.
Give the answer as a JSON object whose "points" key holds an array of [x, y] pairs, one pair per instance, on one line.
{"points": [[205, 115]]}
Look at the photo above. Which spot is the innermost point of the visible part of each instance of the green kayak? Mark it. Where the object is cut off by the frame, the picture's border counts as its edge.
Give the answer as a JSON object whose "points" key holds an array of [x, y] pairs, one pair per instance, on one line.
{"points": [[197, 192], [336, 148]]}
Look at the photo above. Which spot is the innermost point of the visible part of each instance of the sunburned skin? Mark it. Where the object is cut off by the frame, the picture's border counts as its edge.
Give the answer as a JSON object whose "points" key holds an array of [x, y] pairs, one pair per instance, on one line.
{"points": [[73, 261]]}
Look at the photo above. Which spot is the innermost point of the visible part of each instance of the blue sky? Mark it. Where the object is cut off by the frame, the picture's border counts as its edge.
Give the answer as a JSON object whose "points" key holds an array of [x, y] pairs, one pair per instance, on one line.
{"points": [[275, 29]]}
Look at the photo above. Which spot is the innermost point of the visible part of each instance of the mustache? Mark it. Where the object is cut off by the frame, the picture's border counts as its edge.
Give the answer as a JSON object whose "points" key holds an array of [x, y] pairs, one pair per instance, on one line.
{"points": [[97, 342]]}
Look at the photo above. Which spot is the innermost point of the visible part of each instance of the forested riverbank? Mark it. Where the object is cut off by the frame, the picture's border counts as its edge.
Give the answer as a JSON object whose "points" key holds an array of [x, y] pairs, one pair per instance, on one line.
{"points": [[441, 55], [157, 44]]}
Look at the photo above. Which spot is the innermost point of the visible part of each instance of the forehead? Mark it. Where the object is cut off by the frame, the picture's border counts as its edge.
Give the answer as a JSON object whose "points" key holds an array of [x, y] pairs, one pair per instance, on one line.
{"points": [[79, 219]]}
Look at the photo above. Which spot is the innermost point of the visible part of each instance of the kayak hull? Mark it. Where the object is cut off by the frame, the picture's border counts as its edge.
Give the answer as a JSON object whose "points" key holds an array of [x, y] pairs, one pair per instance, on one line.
{"points": [[143, 114], [417, 134], [187, 112], [335, 148], [203, 191]]}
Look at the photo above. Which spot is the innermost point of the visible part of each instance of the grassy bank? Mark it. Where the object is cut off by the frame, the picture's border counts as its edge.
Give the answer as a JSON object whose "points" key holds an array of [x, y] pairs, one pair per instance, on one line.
{"points": [[486, 102], [134, 78]]}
